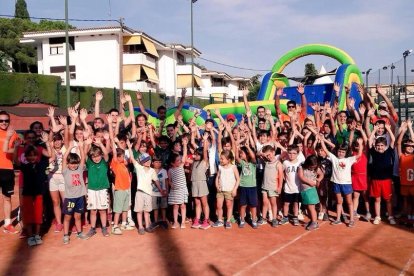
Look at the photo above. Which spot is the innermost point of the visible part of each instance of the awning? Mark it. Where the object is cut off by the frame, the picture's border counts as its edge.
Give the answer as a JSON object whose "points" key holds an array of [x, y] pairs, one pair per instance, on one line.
{"points": [[132, 40], [150, 47], [151, 74], [184, 81], [131, 72]]}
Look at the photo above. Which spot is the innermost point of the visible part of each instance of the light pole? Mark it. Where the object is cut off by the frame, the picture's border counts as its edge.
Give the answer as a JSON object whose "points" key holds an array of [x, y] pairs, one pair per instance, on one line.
{"points": [[192, 53], [405, 55], [366, 76], [67, 55]]}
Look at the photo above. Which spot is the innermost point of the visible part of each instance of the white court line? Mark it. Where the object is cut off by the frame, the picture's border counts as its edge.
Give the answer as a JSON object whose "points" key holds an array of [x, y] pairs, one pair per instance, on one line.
{"points": [[407, 266], [274, 252]]}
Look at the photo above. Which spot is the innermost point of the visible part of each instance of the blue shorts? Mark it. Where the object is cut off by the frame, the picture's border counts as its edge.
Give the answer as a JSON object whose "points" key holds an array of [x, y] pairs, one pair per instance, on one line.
{"points": [[73, 205], [344, 189], [248, 196]]}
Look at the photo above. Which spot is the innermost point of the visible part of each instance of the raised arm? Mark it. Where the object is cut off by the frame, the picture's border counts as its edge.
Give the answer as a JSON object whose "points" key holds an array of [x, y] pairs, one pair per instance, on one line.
{"points": [[403, 129], [301, 91], [245, 101], [98, 99], [390, 106], [392, 136], [279, 92], [130, 118], [185, 149], [140, 104], [180, 104]]}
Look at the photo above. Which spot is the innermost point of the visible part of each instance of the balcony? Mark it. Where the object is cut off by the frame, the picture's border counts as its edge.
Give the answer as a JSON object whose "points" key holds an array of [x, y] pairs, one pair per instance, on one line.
{"points": [[139, 58], [185, 69]]}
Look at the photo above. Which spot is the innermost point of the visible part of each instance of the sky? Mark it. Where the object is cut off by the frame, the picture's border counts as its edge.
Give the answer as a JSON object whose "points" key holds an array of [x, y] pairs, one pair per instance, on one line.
{"points": [[255, 34]]}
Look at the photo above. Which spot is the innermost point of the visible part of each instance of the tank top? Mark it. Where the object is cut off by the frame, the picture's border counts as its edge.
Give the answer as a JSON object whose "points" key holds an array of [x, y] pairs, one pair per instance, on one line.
{"points": [[308, 174], [199, 171], [227, 178]]}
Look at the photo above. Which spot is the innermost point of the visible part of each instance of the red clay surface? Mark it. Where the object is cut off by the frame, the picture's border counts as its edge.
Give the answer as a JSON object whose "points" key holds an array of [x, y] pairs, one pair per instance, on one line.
{"points": [[287, 250]]}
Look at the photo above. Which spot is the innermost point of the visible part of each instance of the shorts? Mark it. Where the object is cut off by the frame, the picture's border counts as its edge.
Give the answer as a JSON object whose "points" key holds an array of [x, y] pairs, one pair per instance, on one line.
{"points": [[359, 182], [7, 182], [73, 205], [143, 202], [407, 190], [57, 183], [344, 189], [270, 193], [381, 188], [122, 198], [226, 195], [310, 196], [98, 200], [291, 198], [199, 189], [159, 202], [248, 196], [33, 209]]}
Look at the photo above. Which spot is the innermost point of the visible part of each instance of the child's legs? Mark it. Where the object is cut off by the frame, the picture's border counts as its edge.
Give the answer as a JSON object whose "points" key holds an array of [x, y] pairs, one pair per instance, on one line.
{"points": [[147, 219], [66, 222], [92, 215], [348, 199], [116, 218], [286, 208], [273, 205], [356, 200], [229, 207], [56, 206], [295, 209], [253, 210], [265, 204], [78, 225], [389, 207], [366, 201], [197, 207], [339, 201], [175, 213], [220, 208], [322, 203], [206, 208], [139, 219], [183, 208], [37, 228], [155, 214], [124, 216], [243, 211], [312, 212], [377, 206]]}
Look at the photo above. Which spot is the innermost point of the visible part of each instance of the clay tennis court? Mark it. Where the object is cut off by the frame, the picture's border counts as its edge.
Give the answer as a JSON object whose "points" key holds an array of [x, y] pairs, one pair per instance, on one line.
{"points": [[287, 250]]}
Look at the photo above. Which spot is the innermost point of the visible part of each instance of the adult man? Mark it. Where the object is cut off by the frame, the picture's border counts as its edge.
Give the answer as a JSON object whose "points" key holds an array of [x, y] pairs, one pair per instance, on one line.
{"points": [[8, 137]]}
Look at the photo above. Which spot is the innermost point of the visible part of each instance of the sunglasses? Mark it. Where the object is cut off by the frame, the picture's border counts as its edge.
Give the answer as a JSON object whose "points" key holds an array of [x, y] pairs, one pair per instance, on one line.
{"points": [[5, 121], [291, 106]]}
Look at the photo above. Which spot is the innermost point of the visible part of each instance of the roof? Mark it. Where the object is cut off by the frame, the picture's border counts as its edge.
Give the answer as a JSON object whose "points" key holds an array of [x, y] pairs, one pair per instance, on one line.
{"points": [[224, 75], [29, 110], [76, 29]]}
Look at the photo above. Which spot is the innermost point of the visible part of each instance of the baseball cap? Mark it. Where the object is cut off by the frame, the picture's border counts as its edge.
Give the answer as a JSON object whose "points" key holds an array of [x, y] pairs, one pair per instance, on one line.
{"points": [[209, 120], [144, 158], [231, 117]]}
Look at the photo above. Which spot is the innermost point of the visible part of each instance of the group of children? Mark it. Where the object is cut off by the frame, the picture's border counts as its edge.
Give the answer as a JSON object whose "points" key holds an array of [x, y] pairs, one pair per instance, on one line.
{"points": [[259, 170]]}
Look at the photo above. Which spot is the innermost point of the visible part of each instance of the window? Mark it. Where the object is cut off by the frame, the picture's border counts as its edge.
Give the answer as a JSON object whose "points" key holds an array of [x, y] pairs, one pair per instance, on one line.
{"points": [[62, 69], [134, 49], [216, 82], [56, 50], [180, 59], [56, 45]]}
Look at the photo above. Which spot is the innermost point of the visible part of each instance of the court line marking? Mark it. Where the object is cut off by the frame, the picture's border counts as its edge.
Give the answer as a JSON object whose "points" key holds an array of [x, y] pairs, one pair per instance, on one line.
{"points": [[407, 265], [274, 252]]}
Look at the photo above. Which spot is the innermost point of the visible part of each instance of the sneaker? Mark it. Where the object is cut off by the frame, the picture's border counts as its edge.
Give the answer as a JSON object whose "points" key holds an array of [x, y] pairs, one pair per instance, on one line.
{"points": [[336, 222], [218, 223], [242, 224], [261, 221], [31, 241], [58, 228], [9, 229], [196, 224], [205, 225], [392, 220], [343, 218], [295, 221], [175, 226], [84, 236], [164, 224], [377, 220], [356, 215], [275, 223], [300, 217], [38, 239], [351, 223], [321, 215], [66, 239], [141, 231], [284, 220], [116, 230], [312, 226], [130, 222], [325, 217], [105, 232], [127, 227], [228, 225], [368, 216], [254, 224], [91, 232]]}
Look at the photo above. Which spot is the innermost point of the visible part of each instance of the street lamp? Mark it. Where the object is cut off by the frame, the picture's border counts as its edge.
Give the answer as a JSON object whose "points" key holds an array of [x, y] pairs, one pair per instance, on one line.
{"points": [[192, 54], [67, 55], [405, 55], [366, 76]]}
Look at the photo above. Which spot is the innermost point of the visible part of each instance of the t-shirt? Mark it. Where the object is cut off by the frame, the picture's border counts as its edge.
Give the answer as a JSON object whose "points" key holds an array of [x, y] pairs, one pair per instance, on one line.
{"points": [[341, 169], [310, 175], [198, 172], [162, 177], [292, 181], [56, 165], [97, 175], [34, 178], [380, 165], [6, 159], [74, 184], [145, 176], [247, 174], [227, 178], [270, 176], [407, 169], [122, 177]]}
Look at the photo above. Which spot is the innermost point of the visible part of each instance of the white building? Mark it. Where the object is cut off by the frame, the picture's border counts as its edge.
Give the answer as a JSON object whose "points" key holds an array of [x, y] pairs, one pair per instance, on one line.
{"points": [[101, 56]]}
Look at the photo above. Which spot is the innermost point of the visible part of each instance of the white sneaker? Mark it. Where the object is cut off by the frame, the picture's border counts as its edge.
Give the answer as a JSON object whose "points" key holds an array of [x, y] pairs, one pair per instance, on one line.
{"points": [[377, 220], [320, 216], [130, 221], [31, 241], [300, 216], [392, 220]]}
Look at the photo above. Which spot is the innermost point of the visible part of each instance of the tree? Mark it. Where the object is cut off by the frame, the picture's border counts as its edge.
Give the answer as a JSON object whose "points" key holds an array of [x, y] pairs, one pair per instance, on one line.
{"points": [[4, 67], [254, 88], [20, 10], [310, 69]]}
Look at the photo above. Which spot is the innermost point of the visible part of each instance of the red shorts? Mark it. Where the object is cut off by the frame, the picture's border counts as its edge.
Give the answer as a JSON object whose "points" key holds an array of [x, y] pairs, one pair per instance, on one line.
{"points": [[359, 182], [381, 188], [33, 209]]}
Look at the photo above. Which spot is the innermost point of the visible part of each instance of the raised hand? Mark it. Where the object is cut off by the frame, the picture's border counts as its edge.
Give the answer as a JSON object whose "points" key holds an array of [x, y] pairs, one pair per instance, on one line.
{"points": [[76, 107], [138, 95], [279, 91], [63, 120], [336, 88], [127, 97], [183, 91], [10, 132], [217, 111], [109, 119], [362, 109], [83, 114], [379, 89], [44, 137], [301, 88], [51, 112], [99, 96]]}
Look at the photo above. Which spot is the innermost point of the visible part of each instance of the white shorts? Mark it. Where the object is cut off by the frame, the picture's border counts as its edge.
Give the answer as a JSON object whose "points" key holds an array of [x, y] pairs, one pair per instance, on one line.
{"points": [[98, 200], [57, 183], [143, 202]]}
